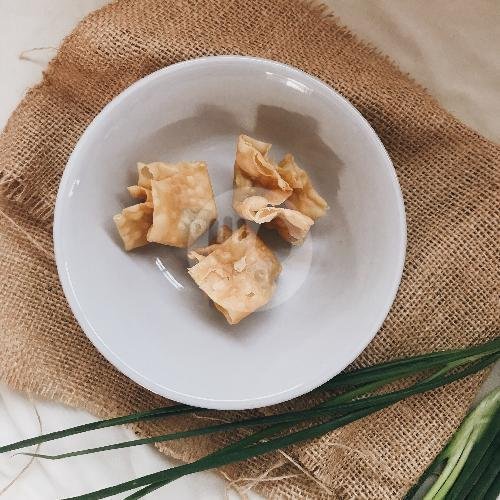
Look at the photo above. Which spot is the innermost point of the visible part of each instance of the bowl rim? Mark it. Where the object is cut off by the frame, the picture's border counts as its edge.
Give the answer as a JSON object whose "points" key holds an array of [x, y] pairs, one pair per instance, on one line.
{"points": [[94, 337]]}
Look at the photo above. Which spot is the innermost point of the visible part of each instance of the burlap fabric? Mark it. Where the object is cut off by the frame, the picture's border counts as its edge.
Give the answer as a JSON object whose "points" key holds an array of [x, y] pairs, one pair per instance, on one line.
{"points": [[447, 173]]}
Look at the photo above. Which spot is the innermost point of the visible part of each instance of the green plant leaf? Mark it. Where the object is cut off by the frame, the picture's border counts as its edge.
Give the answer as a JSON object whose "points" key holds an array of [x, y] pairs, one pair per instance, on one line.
{"points": [[238, 452]]}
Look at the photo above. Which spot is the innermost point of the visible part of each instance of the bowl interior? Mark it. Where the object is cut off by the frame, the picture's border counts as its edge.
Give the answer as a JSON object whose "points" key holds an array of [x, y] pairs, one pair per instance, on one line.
{"points": [[142, 310]]}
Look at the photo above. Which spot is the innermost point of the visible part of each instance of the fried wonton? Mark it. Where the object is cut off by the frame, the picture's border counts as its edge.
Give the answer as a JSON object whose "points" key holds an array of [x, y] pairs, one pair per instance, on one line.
{"points": [[304, 198], [133, 224], [238, 275], [158, 171], [223, 234], [260, 186], [140, 193], [183, 202], [178, 205], [291, 225], [256, 175]]}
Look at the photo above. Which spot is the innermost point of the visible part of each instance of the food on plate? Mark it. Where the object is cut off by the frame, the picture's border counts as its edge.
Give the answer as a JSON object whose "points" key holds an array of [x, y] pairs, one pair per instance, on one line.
{"points": [[304, 197], [133, 224], [238, 272], [140, 193], [183, 204], [177, 206], [261, 187]]}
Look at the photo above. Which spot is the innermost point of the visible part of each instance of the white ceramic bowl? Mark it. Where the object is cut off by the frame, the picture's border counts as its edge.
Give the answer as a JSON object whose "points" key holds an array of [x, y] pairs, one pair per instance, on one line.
{"points": [[142, 310]]}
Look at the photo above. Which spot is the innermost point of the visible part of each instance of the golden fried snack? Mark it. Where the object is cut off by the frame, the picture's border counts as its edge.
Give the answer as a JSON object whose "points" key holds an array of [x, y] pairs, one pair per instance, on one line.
{"points": [[183, 202], [304, 197], [255, 174], [291, 225], [178, 205], [238, 275], [223, 234], [158, 171], [260, 186], [133, 224], [140, 193]]}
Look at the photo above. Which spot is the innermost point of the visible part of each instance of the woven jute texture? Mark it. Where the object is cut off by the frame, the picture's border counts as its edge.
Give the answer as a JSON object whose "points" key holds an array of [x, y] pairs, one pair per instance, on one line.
{"points": [[447, 172]]}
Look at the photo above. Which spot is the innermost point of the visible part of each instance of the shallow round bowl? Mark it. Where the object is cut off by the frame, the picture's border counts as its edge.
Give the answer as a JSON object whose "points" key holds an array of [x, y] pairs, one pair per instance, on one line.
{"points": [[142, 310]]}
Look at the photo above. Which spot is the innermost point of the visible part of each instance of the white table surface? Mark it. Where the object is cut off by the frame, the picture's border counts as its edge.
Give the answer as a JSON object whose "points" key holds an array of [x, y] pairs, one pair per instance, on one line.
{"points": [[450, 46]]}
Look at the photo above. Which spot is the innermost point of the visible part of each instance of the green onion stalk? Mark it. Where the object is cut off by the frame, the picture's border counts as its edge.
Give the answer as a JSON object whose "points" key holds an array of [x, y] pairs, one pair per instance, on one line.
{"points": [[361, 397], [470, 462]]}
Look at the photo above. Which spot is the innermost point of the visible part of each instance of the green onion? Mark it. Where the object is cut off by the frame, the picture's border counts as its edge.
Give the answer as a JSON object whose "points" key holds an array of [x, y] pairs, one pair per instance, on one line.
{"points": [[382, 373], [479, 460], [242, 450], [280, 430], [493, 491], [414, 364], [470, 460], [333, 404], [237, 455], [101, 424]]}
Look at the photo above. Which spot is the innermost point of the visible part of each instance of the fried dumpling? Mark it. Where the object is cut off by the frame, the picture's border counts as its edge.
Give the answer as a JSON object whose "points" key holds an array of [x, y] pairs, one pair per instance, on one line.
{"points": [[304, 197], [291, 225], [260, 187], [238, 274], [158, 171], [140, 193], [178, 205], [256, 175], [183, 202], [133, 224]]}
